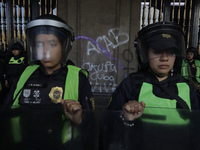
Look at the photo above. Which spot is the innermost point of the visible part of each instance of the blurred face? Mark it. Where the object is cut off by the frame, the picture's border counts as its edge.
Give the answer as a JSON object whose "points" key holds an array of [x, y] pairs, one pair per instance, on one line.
{"points": [[161, 63], [49, 51], [190, 55], [15, 52]]}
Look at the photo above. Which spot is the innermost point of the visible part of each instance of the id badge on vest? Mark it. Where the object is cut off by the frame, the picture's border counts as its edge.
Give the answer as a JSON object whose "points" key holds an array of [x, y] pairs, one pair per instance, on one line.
{"points": [[41, 94], [31, 94]]}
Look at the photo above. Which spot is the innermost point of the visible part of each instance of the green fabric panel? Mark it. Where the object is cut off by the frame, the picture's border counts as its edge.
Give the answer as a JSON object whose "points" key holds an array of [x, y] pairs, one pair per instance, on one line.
{"points": [[72, 83], [13, 61], [153, 101], [15, 127], [197, 63], [184, 69], [23, 78], [172, 117], [163, 116]]}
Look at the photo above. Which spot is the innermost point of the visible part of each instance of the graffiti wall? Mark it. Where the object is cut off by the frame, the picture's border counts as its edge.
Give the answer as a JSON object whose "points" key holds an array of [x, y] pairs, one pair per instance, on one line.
{"points": [[104, 36], [100, 62]]}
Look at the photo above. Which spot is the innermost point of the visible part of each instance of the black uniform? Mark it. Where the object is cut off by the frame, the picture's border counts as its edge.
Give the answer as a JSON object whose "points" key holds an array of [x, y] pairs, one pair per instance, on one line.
{"points": [[13, 71], [38, 119], [143, 134], [41, 83], [2, 82], [130, 87]]}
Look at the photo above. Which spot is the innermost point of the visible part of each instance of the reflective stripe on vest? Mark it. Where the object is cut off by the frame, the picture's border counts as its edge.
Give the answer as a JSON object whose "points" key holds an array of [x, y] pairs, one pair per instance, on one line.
{"points": [[197, 64], [20, 84], [15, 127], [13, 61], [171, 116], [184, 69], [68, 132], [71, 84]]}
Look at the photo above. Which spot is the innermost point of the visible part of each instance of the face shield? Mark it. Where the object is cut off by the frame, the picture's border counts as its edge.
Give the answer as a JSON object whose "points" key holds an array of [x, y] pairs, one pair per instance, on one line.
{"points": [[161, 37], [46, 38]]}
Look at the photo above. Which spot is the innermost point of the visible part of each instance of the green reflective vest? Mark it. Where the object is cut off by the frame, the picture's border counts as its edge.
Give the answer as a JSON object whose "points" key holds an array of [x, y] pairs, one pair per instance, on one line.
{"points": [[184, 70], [71, 83], [163, 107], [13, 61], [71, 92]]}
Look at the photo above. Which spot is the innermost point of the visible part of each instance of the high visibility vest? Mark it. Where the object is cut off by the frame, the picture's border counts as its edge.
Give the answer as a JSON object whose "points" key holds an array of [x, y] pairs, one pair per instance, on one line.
{"points": [[71, 83], [17, 61], [71, 92], [163, 108], [184, 70]]}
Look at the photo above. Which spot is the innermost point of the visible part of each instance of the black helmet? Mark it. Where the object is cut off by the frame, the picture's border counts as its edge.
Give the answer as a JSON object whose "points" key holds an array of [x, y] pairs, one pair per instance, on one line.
{"points": [[17, 46], [48, 24], [160, 36], [194, 51]]}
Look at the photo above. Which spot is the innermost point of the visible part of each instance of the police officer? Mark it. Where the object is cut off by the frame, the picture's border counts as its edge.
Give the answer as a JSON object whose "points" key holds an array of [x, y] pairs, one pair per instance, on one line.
{"points": [[151, 98], [48, 80], [16, 64], [190, 69], [159, 48]]}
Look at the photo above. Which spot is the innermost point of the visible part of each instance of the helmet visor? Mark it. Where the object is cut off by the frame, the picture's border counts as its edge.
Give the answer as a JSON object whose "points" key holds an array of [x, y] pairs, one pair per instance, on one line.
{"points": [[45, 43], [161, 37]]}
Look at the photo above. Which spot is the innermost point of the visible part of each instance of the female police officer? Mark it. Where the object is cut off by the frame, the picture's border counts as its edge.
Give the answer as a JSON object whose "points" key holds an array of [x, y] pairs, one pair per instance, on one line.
{"points": [[48, 81], [151, 91], [16, 64], [190, 69], [159, 48]]}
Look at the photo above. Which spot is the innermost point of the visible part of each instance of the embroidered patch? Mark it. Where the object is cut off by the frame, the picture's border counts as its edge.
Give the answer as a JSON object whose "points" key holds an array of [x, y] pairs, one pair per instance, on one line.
{"points": [[27, 93], [166, 36]]}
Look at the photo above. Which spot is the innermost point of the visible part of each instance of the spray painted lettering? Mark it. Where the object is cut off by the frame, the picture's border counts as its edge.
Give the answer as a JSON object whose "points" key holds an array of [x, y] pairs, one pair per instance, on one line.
{"points": [[104, 40], [102, 74]]}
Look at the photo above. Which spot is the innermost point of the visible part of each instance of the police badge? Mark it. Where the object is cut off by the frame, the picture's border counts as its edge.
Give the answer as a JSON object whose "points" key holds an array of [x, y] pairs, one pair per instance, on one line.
{"points": [[56, 94]]}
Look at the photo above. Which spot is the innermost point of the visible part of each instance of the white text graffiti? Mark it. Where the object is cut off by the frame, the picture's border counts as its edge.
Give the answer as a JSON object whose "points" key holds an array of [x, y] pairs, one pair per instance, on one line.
{"points": [[104, 41], [101, 76]]}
